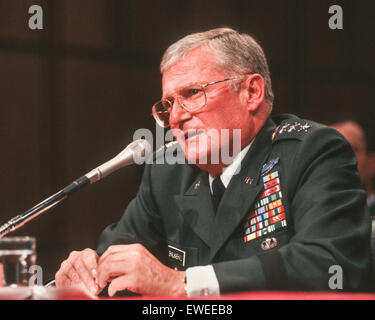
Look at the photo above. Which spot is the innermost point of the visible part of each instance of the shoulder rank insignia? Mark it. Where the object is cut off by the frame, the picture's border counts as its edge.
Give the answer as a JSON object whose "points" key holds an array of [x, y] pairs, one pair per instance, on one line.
{"points": [[288, 127], [291, 127], [267, 167]]}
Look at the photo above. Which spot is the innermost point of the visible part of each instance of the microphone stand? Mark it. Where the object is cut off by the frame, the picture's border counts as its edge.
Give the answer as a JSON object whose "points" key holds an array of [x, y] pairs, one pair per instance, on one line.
{"points": [[18, 221], [133, 153]]}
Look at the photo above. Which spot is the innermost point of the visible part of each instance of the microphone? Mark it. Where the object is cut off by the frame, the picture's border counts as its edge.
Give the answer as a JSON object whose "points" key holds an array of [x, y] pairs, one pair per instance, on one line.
{"points": [[136, 152]]}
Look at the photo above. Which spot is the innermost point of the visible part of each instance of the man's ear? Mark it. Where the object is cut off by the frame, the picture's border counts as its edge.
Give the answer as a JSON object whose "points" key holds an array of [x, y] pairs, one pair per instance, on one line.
{"points": [[255, 91]]}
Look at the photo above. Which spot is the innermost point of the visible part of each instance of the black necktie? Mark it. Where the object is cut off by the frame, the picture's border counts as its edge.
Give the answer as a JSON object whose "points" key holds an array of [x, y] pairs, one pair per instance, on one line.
{"points": [[218, 190]]}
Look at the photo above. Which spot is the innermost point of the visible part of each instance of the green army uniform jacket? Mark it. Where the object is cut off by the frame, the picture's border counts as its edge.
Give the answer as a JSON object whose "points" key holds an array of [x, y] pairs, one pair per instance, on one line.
{"points": [[295, 209]]}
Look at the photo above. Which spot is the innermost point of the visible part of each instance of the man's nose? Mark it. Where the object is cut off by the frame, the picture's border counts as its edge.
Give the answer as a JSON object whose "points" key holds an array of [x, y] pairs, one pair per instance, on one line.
{"points": [[178, 114]]}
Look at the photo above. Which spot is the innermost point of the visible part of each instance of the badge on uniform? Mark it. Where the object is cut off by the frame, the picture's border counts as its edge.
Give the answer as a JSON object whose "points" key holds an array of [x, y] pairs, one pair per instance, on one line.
{"points": [[176, 257], [269, 166], [269, 243], [197, 185], [268, 213]]}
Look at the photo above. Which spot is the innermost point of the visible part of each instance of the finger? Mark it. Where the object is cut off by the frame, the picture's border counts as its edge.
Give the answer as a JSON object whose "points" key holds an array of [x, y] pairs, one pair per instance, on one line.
{"points": [[62, 280], [67, 268], [72, 274], [131, 251], [110, 269], [113, 250], [91, 259], [118, 284], [62, 275], [135, 247], [85, 276], [73, 271]]}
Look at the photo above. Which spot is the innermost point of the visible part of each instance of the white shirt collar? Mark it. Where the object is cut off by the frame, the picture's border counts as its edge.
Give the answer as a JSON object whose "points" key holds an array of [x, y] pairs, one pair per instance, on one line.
{"points": [[232, 169]]}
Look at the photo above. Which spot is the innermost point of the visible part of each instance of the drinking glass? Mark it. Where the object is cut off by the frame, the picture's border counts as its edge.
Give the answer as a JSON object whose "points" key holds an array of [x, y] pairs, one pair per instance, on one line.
{"points": [[17, 255]]}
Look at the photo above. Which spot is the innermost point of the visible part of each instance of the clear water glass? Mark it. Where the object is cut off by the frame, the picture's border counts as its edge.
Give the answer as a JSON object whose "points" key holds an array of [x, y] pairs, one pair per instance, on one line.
{"points": [[17, 255]]}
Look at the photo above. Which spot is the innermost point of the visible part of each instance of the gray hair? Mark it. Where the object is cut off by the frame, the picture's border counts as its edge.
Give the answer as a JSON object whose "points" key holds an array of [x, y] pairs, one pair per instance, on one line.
{"points": [[237, 53]]}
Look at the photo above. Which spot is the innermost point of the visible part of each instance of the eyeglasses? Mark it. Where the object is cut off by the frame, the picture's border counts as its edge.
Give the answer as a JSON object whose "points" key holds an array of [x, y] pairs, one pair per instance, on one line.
{"points": [[191, 98]]}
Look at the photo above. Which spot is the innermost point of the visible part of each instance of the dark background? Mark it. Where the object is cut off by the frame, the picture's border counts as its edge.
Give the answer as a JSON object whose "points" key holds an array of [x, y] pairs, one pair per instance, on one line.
{"points": [[73, 94]]}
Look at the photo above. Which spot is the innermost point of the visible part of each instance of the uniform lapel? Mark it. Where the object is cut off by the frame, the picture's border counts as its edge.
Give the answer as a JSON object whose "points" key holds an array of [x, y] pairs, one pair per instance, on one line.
{"points": [[242, 191], [197, 209]]}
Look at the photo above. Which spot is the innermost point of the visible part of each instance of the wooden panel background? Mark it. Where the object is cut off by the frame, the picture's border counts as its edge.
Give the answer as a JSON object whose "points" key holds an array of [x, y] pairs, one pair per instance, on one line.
{"points": [[73, 94]]}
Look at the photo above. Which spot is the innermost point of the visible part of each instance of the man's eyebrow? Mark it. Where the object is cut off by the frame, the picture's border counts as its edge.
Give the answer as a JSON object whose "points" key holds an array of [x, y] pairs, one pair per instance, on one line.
{"points": [[189, 84]]}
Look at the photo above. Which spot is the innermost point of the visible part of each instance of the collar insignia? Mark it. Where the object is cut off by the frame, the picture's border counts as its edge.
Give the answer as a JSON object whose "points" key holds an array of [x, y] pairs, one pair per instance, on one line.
{"points": [[197, 185]]}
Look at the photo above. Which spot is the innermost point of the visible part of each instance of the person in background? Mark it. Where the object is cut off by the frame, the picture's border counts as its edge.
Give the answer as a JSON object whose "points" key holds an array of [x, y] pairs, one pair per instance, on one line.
{"points": [[356, 136]]}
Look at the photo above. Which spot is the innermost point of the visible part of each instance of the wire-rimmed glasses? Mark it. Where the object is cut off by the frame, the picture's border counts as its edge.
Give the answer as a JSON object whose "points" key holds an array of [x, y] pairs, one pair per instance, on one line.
{"points": [[191, 98]]}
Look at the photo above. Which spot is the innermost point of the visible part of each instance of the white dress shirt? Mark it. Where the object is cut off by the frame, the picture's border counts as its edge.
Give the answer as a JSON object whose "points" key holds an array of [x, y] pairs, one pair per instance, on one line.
{"points": [[202, 280]]}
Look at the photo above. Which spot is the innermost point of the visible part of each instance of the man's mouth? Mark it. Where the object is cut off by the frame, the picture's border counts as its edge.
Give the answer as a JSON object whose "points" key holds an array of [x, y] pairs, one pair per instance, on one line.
{"points": [[191, 134]]}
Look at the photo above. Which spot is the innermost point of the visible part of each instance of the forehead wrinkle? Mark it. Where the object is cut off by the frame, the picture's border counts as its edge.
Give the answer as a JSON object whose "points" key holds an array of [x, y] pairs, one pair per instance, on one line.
{"points": [[198, 66], [184, 79]]}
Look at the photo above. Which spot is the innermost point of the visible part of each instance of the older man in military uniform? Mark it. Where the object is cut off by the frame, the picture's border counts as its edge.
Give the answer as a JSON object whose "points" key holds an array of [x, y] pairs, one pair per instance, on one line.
{"points": [[286, 209]]}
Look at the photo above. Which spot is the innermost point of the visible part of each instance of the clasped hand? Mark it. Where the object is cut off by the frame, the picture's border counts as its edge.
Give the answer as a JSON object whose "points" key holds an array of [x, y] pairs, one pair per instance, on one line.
{"points": [[130, 267]]}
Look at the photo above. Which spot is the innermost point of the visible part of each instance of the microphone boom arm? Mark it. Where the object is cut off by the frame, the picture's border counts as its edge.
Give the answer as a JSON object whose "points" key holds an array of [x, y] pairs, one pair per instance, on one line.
{"points": [[135, 152], [20, 220]]}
